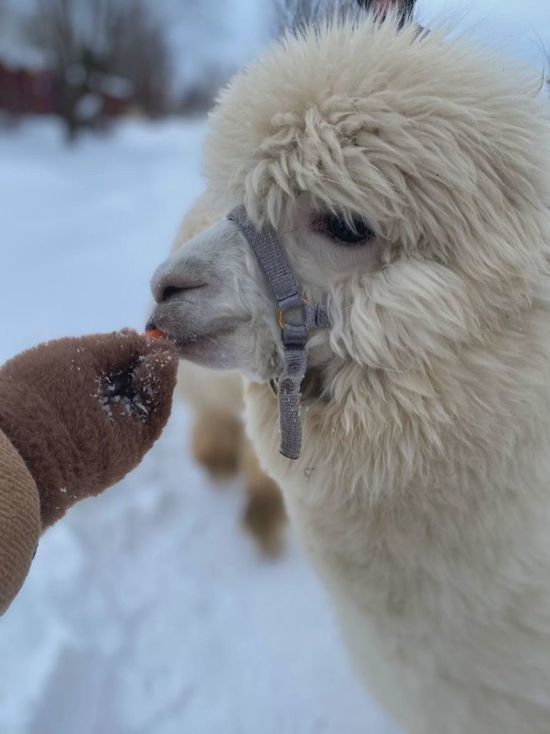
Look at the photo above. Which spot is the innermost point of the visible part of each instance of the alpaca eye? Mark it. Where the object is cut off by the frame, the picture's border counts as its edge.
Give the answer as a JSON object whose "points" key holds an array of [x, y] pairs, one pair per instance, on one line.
{"points": [[346, 233]]}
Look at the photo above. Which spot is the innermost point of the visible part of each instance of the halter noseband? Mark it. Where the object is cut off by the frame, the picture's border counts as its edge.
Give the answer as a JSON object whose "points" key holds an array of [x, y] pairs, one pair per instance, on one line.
{"points": [[295, 316]]}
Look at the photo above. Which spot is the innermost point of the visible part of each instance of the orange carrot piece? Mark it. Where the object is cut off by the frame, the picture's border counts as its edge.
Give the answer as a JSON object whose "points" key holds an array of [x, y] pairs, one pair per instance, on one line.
{"points": [[155, 334]]}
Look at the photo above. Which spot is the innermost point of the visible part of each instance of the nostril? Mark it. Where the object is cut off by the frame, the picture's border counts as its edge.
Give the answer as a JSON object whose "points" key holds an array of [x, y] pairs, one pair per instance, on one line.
{"points": [[169, 292], [170, 282]]}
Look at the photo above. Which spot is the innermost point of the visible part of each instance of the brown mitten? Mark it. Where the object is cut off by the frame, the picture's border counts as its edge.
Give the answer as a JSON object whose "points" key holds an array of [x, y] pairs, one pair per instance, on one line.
{"points": [[83, 412]]}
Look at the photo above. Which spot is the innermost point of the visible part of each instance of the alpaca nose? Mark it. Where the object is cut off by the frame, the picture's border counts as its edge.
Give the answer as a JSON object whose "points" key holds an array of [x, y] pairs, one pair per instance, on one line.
{"points": [[167, 284]]}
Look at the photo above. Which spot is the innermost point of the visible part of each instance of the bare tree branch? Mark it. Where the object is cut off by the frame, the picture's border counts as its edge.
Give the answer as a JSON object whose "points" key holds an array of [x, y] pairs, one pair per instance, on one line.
{"points": [[89, 42], [293, 14], [405, 8]]}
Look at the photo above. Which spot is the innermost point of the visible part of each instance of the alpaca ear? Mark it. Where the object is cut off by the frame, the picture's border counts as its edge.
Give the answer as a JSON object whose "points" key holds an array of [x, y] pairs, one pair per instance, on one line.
{"points": [[405, 8]]}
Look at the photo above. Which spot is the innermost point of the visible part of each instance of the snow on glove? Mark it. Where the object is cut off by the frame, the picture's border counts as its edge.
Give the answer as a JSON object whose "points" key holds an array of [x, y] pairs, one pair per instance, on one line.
{"points": [[82, 412]]}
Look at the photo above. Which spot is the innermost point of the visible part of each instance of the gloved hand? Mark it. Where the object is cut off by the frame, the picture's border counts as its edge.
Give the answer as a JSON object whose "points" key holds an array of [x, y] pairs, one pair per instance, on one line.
{"points": [[83, 412]]}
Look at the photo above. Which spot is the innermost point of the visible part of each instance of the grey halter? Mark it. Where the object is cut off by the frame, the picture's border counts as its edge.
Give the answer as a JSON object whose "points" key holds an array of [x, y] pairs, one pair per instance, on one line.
{"points": [[295, 316]]}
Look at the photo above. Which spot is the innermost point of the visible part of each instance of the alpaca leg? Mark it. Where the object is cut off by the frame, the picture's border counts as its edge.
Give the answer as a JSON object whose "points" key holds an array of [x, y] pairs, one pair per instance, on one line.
{"points": [[264, 516], [216, 442]]}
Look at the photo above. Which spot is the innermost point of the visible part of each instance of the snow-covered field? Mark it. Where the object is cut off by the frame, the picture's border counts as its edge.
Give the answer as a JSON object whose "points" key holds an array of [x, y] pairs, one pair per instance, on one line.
{"points": [[147, 610]]}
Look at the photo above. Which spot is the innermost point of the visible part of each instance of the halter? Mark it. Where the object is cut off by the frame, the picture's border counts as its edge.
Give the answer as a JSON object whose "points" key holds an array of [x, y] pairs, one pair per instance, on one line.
{"points": [[295, 316]]}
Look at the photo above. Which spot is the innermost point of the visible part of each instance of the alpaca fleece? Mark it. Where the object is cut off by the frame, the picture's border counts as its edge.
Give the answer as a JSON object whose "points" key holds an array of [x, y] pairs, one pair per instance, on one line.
{"points": [[422, 493]]}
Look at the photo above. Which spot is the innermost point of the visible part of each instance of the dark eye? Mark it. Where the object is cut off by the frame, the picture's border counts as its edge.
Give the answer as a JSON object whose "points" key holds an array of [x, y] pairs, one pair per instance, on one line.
{"points": [[348, 233]]}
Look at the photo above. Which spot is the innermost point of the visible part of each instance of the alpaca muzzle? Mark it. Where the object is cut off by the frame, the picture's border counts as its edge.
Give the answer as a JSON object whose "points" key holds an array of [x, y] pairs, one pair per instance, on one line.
{"points": [[295, 316]]}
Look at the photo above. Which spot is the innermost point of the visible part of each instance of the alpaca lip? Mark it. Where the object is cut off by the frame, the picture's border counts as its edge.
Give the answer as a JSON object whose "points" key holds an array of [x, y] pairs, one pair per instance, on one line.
{"points": [[186, 343], [200, 339], [152, 326]]}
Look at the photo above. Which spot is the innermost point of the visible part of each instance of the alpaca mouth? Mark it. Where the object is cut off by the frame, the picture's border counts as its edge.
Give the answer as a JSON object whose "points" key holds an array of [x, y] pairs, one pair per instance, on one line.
{"points": [[184, 343], [196, 344], [191, 341]]}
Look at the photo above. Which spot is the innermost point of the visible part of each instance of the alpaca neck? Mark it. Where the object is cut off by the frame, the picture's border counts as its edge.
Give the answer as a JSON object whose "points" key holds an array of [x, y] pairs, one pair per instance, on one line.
{"points": [[429, 452]]}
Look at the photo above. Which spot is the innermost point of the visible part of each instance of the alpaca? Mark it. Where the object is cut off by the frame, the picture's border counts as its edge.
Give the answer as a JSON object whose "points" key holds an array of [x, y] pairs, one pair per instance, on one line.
{"points": [[218, 439], [407, 178]]}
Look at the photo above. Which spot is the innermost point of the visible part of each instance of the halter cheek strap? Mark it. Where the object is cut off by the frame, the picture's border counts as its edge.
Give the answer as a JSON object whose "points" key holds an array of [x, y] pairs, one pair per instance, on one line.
{"points": [[295, 317]]}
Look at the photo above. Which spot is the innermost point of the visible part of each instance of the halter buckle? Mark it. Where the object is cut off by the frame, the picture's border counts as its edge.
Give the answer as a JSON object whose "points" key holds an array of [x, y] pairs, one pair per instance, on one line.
{"points": [[281, 314]]}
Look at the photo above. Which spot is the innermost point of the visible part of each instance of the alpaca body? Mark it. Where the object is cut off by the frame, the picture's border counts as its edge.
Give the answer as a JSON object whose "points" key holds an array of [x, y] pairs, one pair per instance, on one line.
{"points": [[407, 178], [446, 609]]}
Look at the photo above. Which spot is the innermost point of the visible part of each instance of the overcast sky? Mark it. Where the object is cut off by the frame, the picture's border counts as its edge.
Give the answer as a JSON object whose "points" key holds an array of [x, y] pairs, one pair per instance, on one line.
{"points": [[521, 27]]}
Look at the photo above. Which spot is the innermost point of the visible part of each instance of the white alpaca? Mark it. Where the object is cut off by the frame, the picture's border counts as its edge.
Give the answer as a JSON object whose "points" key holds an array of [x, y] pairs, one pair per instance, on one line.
{"points": [[408, 178]]}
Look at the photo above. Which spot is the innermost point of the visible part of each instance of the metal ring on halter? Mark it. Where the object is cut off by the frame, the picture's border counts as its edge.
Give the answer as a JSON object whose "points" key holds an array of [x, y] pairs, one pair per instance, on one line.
{"points": [[281, 314]]}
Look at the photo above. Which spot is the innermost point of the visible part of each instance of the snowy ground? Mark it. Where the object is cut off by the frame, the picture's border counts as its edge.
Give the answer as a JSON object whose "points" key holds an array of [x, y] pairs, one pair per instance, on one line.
{"points": [[146, 611]]}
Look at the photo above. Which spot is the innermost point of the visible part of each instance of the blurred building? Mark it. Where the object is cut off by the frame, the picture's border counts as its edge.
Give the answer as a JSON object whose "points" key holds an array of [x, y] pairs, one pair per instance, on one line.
{"points": [[25, 90], [27, 80], [198, 46], [25, 83]]}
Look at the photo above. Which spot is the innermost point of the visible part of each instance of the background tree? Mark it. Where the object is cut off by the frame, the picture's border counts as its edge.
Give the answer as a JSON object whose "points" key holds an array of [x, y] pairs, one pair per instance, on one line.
{"points": [[295, 13], [100, 50], [405, 7]]}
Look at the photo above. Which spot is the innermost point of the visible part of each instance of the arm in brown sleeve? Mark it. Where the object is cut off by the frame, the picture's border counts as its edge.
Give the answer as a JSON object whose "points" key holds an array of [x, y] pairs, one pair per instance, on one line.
{"points": [[76, 415], [20, 524]]}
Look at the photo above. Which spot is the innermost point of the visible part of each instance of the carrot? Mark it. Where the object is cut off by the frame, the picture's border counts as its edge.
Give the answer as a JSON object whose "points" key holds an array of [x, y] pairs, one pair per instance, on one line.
{"points": [[155, 334]]}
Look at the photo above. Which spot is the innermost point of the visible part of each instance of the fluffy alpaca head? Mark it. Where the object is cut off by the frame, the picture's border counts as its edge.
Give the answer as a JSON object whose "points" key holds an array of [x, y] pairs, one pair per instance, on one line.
{"points": [[407, 176]]}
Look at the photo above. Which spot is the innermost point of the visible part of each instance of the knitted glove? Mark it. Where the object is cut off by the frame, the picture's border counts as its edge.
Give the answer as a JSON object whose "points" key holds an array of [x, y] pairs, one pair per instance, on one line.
{"points": [[83, 412]]}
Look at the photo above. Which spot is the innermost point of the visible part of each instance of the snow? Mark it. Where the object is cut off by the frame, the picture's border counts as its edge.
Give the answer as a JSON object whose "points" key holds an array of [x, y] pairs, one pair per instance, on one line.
{"points": [[147, 609], [520, 28]]}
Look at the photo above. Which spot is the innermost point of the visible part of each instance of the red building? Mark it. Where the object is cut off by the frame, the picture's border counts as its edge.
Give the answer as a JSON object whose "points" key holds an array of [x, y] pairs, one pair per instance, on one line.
{"points": [[31, 91], [24, 91]]}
